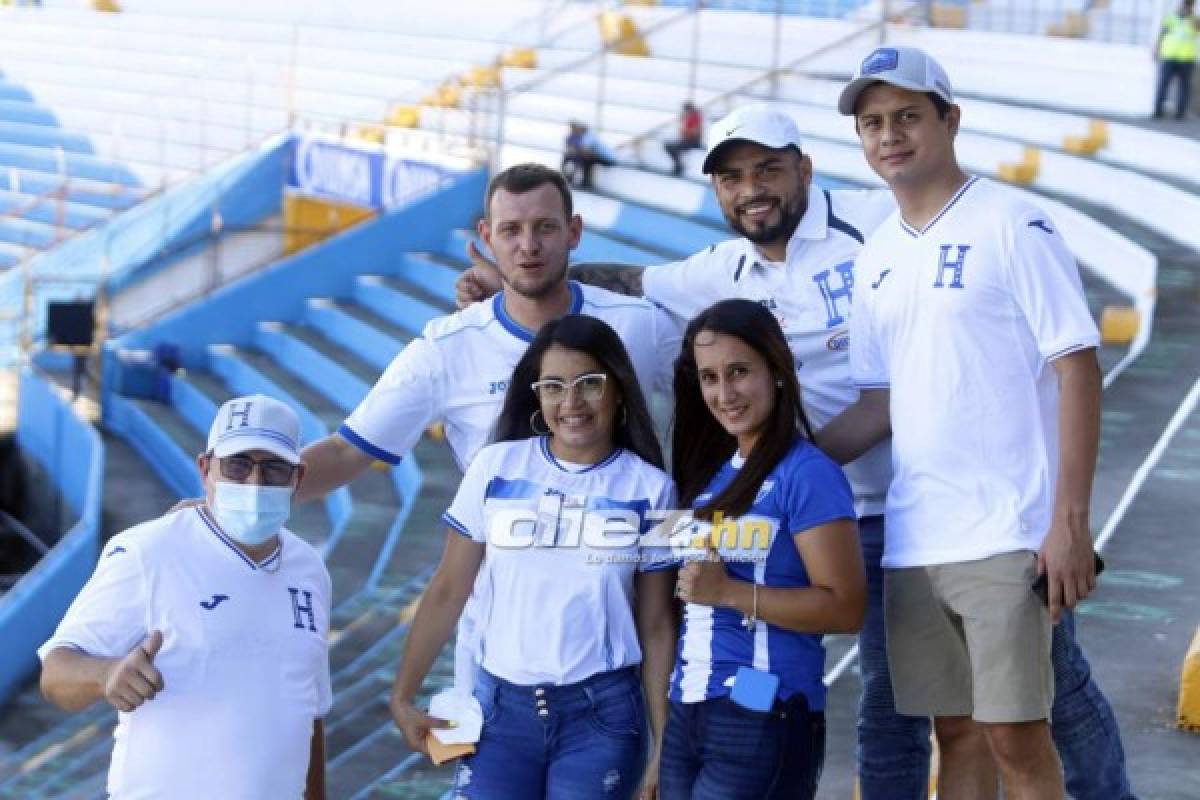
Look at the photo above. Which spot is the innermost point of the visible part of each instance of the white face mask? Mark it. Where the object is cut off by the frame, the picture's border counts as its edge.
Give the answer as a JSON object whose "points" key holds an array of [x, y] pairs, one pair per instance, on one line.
{"points": [[251, 514]]}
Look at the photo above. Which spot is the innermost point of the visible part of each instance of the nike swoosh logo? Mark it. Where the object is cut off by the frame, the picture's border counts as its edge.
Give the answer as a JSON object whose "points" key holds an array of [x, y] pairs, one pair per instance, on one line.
{"points": [[879, 280], [217, 599], [1041, 223], [731, 131], [115, 550]]}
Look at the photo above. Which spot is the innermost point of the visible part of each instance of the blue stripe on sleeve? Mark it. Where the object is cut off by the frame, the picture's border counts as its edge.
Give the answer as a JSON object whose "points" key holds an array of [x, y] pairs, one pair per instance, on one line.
{"points": [[378, 453]]}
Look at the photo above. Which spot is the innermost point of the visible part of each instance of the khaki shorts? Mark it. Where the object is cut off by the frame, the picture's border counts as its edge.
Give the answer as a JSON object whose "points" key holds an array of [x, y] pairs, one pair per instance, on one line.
{"points": [[970, 639]]}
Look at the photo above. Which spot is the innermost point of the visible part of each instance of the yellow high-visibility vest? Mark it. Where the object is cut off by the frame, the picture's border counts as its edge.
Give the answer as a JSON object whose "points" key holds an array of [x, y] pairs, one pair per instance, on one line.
{"points": [[1179, 43]]}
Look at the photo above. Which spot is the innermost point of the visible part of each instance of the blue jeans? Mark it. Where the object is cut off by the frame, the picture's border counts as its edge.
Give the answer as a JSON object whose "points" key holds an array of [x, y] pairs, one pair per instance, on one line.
{"points": [[893, 750], [575, 742], [1083, 725], [717, 750]]}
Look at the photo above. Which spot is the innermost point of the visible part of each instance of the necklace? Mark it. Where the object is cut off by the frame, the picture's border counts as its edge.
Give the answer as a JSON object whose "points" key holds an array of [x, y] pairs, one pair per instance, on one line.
{"points": [[277, 557]]}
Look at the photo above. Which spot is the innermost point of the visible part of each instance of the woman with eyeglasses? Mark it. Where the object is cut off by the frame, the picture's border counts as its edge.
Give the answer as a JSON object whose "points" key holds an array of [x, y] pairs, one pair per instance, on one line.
{"points": [[774, 564], [550, 518]]}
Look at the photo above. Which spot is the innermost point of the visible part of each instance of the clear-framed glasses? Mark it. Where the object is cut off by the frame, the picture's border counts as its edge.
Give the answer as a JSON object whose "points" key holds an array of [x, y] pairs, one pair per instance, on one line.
{"points": [[273, 471], [589, 387]]}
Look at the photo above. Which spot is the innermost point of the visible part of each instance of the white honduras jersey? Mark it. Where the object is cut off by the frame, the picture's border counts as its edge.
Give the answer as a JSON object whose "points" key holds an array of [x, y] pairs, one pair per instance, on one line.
{"points": [[563, 544], [459, 369], [962, 320], [244, 659], [810, 294]]}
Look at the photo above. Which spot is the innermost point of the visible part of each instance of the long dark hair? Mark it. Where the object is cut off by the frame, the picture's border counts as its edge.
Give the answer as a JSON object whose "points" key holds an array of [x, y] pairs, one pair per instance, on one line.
{"points": [[699, 445], [632, 430]]}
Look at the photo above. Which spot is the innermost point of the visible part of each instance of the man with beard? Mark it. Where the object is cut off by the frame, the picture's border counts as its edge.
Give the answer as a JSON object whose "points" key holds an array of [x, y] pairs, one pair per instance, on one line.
{"points": [[458, 370], [796, 256]]}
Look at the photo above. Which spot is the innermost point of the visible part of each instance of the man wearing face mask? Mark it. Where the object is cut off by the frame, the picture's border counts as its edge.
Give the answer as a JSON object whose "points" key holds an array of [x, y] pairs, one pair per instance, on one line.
{"points": [[207, 630]]}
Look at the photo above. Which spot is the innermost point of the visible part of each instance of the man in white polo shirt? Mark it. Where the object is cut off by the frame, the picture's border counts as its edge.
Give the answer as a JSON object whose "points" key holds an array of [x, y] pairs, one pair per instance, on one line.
{"points": [[971, 313], [207, 630]]}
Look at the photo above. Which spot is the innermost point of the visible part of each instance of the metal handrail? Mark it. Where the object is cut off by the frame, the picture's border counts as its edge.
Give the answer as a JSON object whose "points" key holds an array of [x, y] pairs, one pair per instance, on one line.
{"points": [[22, 532]]}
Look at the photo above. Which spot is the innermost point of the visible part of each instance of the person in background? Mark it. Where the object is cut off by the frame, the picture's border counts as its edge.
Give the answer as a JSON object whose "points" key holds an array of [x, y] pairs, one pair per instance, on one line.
{"points": [[783, 567], [1175, 52], [691, 136], [550, 519], [207, 630], [582, 151]]}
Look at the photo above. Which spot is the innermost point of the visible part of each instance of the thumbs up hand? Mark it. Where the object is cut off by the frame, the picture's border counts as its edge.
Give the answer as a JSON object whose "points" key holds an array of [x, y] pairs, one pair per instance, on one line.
{"points": [[134, 679]]}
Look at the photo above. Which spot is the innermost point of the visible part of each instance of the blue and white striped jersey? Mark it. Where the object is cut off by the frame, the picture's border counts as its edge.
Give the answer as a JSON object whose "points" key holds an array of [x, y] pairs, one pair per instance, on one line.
{"points": [[805, 490]]}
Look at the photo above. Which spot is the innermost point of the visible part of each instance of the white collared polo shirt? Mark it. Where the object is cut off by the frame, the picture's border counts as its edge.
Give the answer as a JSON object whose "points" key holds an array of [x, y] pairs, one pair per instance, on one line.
{"points": [[811, 294], [244, 660], [962, 320]]}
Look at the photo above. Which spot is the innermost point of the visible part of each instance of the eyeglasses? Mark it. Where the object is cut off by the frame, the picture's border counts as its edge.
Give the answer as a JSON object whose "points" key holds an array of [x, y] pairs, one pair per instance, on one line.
{"points": [[272, 471], [589, 387]]}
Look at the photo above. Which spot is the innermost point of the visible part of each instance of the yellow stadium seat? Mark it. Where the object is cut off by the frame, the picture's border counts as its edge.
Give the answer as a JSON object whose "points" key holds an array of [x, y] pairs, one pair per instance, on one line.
{"points": [[1025, 171], [1096, 138], [482, 78], [367, 133], [445, 96], [404, 117], [621, 34], [1080, 145], [520, 57], [1189, 687], [1118, 325], [1074, 25], [947, 15]]}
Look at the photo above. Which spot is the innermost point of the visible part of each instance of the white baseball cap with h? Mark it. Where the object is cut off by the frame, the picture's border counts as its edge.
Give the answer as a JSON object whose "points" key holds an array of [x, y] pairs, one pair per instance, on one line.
{"points": [[255, 422], [906, 67], [759, 123]]}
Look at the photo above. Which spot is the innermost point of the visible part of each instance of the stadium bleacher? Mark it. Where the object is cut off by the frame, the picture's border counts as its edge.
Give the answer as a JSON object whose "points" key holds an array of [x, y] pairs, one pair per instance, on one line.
{"points": [[87, 130]]}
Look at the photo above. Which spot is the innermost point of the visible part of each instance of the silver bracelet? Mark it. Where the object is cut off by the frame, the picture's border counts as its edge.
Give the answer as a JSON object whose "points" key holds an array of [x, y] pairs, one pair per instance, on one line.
{"points": [[752, 620]]}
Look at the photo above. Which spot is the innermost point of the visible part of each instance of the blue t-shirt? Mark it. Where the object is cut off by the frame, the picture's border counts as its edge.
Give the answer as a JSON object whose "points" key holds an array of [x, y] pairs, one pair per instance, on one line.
{"points": [[806, 489]]}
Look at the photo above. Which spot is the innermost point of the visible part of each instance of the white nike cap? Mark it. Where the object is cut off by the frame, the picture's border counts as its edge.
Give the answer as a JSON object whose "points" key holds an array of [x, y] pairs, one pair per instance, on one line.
{"points": [[759, 123], [255, 422], [906, 67]]}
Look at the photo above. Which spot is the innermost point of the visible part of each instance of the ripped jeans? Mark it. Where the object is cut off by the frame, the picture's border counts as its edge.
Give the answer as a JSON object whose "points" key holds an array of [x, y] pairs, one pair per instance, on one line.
{"points": [[576, 742]]}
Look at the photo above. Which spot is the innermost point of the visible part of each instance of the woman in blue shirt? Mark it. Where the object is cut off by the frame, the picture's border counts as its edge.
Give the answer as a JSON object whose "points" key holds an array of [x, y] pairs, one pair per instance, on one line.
{"points": [[775, 564], [572, 607]]}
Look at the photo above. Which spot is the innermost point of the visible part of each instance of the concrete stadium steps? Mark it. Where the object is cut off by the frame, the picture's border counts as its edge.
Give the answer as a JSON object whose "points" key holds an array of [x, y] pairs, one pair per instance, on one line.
{"points": [[424, 537], [49, 211], [646, 227], [101, 196], [373, 495], [27, 233], [44, 136], [56, 766]]}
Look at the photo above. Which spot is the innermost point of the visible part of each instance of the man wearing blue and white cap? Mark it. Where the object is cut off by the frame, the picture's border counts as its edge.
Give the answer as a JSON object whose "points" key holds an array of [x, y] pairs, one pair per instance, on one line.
{"points": [[206, 629], [972, 318]]}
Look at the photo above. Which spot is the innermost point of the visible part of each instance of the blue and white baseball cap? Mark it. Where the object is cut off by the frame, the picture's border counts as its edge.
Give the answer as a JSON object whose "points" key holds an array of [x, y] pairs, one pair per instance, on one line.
{"points": [[255, 422], [760, 123], [906, 67]]}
